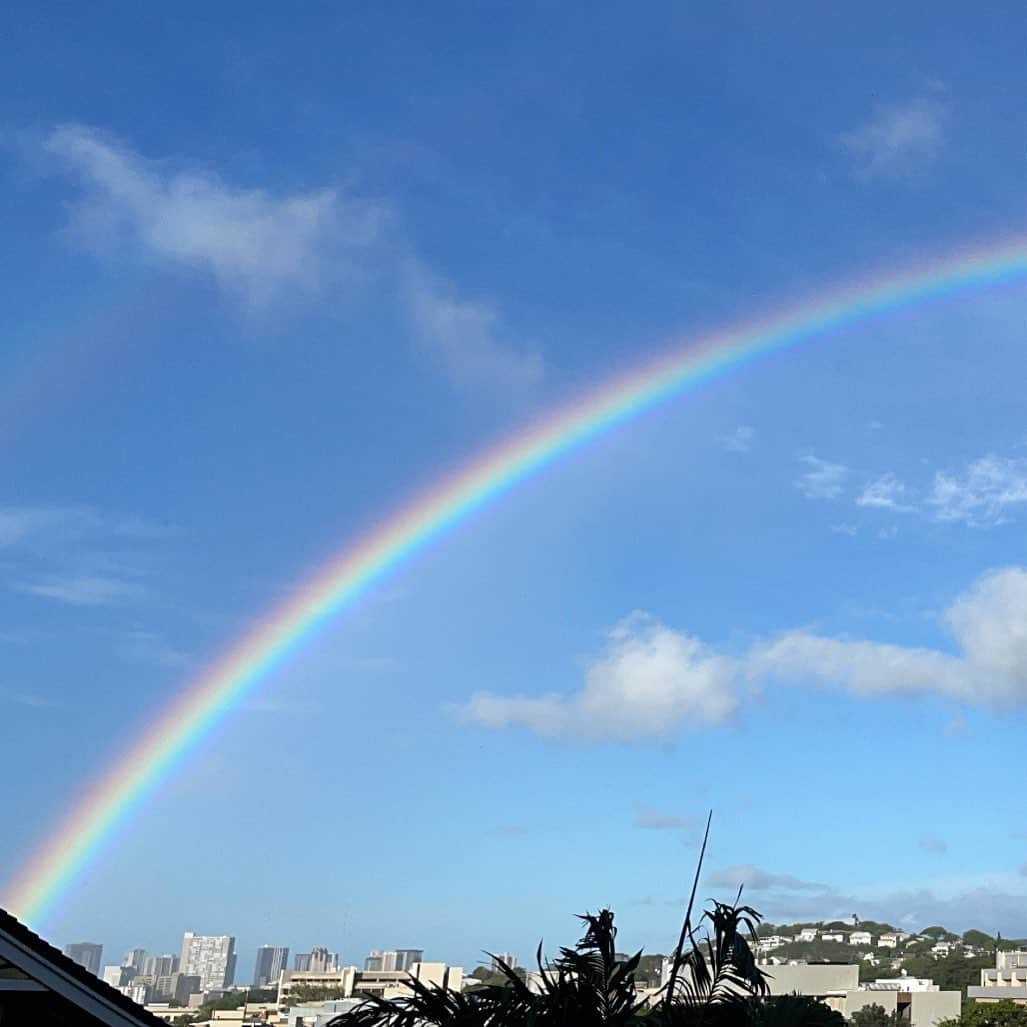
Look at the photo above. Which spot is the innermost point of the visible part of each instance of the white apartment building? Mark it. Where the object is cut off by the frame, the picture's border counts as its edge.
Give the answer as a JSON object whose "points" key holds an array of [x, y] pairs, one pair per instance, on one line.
{"points": [[773, 941], [807, 934], [833, 936], [941, 948], [860, 938], [887, 941], [211, 957]]}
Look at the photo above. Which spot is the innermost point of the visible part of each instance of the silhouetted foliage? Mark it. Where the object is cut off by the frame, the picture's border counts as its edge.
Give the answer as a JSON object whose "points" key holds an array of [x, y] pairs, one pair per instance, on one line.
{"points": [[713, 982]]}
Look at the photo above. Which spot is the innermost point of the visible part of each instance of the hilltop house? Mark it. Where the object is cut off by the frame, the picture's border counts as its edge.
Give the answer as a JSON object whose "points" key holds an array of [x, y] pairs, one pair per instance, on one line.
{"points": [[860, 938]]}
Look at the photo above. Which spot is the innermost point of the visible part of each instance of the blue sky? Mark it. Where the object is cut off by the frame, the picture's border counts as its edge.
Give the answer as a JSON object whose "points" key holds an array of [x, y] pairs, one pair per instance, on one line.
{"points": [[270, 273]]}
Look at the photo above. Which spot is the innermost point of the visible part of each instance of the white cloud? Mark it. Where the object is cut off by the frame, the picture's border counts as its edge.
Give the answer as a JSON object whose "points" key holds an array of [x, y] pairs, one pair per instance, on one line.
{"points": [[885, 493], [756, 879], [983, 495], [738, 441], [988, 623], [84, 590], [857, 666], [823, 480], [897, 140], [467, 337], [255, 244], [651, 681], [932, 843]]}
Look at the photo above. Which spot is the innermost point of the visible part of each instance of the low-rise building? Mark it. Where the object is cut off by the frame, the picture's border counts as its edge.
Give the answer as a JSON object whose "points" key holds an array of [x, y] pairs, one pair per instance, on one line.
{"points": [[887, 941], [773, 941], [941, 948], [838, 936], [1007, 981], [922, 1007], [349, 982], [860, 938], [807, 934]]}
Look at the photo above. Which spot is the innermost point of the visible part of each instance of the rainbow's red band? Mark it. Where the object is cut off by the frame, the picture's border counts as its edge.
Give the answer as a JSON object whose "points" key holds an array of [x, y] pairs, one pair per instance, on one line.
{"points": [[78, 838]]}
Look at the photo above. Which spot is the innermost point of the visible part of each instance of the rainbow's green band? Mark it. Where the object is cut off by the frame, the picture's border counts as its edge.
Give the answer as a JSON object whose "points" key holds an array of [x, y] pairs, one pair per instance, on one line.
{"points": [[78, 838]]}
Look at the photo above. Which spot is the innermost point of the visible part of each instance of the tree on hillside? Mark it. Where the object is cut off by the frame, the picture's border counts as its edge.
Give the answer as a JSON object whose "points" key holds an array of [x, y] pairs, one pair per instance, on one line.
{"points": [[989, 1014], [953, 972], [978, 939], [874, 1016]]}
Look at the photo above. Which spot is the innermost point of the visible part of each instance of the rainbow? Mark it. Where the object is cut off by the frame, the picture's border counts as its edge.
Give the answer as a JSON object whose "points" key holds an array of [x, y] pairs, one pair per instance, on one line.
{"points": [[50, 872]]}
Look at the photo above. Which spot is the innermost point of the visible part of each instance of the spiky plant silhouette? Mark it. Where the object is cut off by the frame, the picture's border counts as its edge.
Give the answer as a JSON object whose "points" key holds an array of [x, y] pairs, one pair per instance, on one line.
{"points": [[714, 981]]}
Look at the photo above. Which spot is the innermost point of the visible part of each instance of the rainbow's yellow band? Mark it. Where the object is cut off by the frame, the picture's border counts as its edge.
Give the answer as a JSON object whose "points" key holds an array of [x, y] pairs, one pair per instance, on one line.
{"points": [[79, 837]]}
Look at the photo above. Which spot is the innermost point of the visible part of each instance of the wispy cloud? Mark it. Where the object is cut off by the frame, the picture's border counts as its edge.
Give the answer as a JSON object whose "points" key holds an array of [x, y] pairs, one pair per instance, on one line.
{"points": [[261, 246], [823, 479], [984, 495], [898, 140], [932, 843], [652, 681], [649, 682], [254, 243], [23, 524], [84, 590], [986, 492], [467, 337], [885, 493], [754, 878], [738, 441]]}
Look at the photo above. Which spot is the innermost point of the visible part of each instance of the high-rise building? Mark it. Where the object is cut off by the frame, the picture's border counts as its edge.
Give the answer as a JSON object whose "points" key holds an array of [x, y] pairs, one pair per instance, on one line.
{"points": [[393, 959], [271, 961], [87, 954], [405, 958], [135, 958], [211, 957], [506, 957], [165, 966], [318, 960], [177, 986], [118, 976]]}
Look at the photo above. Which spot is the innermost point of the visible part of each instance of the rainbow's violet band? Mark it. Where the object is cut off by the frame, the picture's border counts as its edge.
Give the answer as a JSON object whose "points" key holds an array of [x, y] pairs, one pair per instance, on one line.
{"points": [[77, 839]]}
